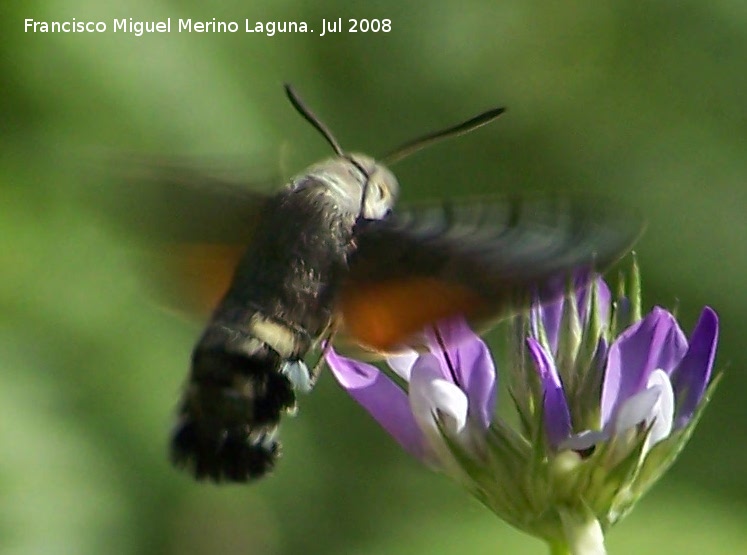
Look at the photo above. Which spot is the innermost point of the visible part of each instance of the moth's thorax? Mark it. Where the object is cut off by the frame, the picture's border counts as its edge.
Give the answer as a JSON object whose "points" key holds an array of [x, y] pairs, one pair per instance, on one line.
{"points": [[346, 178]]}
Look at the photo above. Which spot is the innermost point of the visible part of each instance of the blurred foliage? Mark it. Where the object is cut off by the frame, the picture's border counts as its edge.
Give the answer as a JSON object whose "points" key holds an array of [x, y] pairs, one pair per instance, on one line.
{"points": [[643, 100]]}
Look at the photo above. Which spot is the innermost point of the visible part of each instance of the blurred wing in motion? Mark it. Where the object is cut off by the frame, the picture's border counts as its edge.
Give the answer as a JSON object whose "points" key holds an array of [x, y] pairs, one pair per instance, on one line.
{"points": [[167, 202], [194, 226], [192, 278], [484, 259]]}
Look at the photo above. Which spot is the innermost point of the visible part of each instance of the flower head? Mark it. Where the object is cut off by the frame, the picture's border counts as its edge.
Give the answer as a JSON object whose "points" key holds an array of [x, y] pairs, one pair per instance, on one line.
{"points": [[606, 400], [615, 404], [650, 373]]}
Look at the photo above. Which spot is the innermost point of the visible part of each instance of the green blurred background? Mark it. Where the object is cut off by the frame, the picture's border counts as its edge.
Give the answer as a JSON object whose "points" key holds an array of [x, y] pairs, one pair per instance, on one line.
{"points": [[645, 100]]}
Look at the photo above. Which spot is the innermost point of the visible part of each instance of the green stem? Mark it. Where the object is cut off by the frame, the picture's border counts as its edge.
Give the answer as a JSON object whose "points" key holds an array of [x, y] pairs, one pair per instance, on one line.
{"points": [[582, 534], [559, 548]]}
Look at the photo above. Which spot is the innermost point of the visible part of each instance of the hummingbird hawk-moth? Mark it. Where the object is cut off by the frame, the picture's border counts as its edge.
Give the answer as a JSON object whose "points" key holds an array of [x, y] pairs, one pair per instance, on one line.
{"points": [[328, 256]]}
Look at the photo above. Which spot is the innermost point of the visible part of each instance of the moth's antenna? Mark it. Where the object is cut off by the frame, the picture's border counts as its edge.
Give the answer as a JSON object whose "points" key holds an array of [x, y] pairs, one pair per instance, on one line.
{"points": [[309, 116], [420, 143]]}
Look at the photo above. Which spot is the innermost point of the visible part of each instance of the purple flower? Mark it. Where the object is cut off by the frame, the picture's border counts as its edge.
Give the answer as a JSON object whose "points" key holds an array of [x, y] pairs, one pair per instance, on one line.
{"points": [[595, 386], [550, 315], [652, 375], [448, 390]]}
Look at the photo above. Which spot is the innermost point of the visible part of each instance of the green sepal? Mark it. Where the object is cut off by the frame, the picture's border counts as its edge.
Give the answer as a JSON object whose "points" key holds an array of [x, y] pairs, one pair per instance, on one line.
{"points": [[568, 343], [634, 292]]}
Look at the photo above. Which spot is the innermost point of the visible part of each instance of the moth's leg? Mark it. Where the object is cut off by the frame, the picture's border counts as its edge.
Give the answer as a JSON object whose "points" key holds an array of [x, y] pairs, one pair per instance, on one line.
{"points": [[328, 335], [298, 373]]}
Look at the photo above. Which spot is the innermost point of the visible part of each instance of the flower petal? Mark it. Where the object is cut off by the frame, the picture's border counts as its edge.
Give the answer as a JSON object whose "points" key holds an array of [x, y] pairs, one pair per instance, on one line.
{"points": [[600, 355], [550, 314], [691, 377], [402, 362], [384, 400], [662, 414], [584, 440], [433, 397], [654, 342], [473, 366], [556, 414], [654, 406], [635, 409], [604, 301]]}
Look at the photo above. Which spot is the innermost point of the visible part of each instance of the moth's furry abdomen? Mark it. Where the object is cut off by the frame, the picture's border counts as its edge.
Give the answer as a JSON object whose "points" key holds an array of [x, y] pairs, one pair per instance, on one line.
{"points": [[231, 408], [218, 454]]}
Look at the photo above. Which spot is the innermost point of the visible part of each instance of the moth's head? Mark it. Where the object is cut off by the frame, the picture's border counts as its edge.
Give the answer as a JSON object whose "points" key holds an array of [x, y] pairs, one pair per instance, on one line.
{"points": [[358, 183]]}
